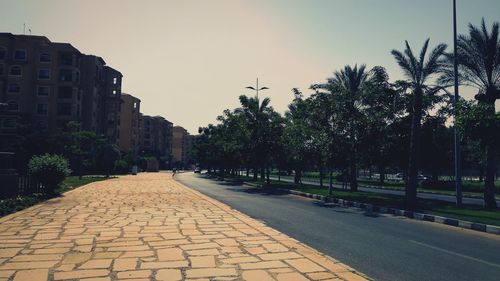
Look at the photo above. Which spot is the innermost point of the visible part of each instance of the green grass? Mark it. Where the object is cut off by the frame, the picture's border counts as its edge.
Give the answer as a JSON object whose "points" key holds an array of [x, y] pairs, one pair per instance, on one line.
{"points": [[441, 208], [12, 205], [73, 182]]}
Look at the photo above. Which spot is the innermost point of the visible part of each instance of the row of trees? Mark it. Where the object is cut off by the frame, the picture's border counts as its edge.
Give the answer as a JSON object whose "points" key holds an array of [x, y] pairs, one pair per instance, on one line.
{"points": [[358, 118]]}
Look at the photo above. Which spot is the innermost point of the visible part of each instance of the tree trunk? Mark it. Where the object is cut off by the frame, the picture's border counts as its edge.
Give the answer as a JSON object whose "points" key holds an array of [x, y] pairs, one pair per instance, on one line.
{"points": [[279, 174], [353, 179], [254, 174], [489, 179], [411, 184], [481, 173], [330, 183], [268, 172], [382, 174], [321, 177], [262, 174]]}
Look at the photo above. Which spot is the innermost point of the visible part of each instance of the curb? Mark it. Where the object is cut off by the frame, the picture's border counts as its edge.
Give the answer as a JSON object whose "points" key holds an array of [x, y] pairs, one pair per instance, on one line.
{"points": [[397, 212]]}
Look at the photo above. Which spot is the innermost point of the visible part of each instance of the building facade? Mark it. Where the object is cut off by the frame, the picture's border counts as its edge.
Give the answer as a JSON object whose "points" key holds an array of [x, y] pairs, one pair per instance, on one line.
{"points": [[181, 146], [39, 84], [45, 85], [156, 139], [129, 128]]}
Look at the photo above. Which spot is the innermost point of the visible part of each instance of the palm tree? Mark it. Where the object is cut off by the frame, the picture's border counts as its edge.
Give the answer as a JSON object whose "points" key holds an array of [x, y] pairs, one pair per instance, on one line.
{"points": [[418, 71], [257, 115], [478, 58], [350, 82]]}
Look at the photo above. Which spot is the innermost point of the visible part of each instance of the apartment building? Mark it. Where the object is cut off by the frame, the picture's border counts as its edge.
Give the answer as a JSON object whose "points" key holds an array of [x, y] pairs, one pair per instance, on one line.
{"points": [[101, 87], [156, 139], [181, 146], [45, 85], [129, 125], [39, 84]]}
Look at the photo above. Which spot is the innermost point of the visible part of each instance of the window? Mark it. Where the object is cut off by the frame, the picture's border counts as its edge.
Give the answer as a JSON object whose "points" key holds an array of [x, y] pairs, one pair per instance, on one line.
{"points": [[44, 74], [42, 109], [114, 92], [66, 75], [1, 69], [3, 51], [66, 59], [43, 91], [65, 92], [45, 57], [12, 106], [15, 70], [64, 109], [13, 88], [20, 55], [115, 80], [135, 105]]}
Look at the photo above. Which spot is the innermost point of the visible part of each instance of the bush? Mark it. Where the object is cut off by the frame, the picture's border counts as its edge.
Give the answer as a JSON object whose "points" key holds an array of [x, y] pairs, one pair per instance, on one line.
{"points": [[121, 167], [49, 170]]}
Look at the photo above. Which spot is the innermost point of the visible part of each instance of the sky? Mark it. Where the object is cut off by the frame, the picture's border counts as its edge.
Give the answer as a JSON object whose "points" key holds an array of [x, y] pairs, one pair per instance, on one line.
{"points": [[189, 60]]}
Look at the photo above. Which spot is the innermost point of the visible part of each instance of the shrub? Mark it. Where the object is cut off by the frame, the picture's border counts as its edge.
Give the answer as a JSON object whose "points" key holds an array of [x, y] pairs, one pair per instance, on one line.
{"points": [[121, 167], [49, 170]]}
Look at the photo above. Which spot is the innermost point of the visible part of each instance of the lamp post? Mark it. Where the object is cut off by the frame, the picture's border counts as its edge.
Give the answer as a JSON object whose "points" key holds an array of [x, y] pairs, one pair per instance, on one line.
{"points": [[257, 89], [458, 163]]}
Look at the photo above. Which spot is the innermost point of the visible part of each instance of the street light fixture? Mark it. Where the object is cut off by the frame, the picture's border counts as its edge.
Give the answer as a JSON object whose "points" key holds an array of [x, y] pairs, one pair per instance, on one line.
{"points": [[257, 89], [458, 163]]}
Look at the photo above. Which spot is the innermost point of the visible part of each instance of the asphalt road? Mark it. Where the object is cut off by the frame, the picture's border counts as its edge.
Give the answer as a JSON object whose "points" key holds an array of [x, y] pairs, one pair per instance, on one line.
{"points": [[382, 247], [424, 195]]}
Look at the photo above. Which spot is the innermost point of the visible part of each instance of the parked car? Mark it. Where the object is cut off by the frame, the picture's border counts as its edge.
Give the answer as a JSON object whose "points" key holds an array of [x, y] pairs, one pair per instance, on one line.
{"points": [[197, 170]]}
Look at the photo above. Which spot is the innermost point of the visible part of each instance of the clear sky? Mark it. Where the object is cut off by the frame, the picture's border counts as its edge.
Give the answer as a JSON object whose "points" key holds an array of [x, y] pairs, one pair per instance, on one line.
{"points": [[189, 60]]}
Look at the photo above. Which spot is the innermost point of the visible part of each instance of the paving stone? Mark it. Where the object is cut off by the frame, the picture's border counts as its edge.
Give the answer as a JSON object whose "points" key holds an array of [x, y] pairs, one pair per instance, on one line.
{"points": [[293, 276], [164, 264], [76, 257], [305, 265], [47, 257], [168, 275], [81, 274], [280, 256], [138, 254], [96, 263], [170, 254], [240, 260], [9, 252], [28, 265], [134, 274], [202, 261], [210, 272], [263, 265], [321, 275], [32, 275], [256, 275], [123, 264]]}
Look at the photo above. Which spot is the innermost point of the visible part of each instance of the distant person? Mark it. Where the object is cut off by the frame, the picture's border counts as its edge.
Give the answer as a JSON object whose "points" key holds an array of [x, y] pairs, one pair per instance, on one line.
{"points": [[174, 170]]}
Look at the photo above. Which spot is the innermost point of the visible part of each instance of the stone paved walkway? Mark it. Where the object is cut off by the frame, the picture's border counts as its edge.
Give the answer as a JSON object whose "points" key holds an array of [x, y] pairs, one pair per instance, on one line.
{"points": [[150, 227]]}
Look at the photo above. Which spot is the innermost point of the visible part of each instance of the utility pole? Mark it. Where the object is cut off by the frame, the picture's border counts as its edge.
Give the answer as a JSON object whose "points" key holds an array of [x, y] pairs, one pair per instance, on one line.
{"points": [[458, 162]]}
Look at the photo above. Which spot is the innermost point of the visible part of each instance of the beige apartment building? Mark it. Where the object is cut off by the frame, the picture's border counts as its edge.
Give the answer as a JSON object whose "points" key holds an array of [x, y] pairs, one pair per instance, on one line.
{"points": [[130, 117], [182, 143], [44, 85]]}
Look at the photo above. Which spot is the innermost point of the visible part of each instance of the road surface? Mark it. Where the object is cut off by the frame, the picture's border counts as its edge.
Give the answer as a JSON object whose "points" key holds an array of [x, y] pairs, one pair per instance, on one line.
{"points": [[383, 247]]}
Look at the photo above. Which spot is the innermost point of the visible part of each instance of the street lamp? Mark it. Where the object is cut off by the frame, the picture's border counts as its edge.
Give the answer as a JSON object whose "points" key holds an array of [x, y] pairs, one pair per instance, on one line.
{"points": [[458, 163], [257, 89]]}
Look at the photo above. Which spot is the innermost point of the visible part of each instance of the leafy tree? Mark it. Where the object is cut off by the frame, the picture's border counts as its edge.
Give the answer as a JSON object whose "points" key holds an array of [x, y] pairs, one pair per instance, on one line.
{"points": [[418, 72], [48, 169]]}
